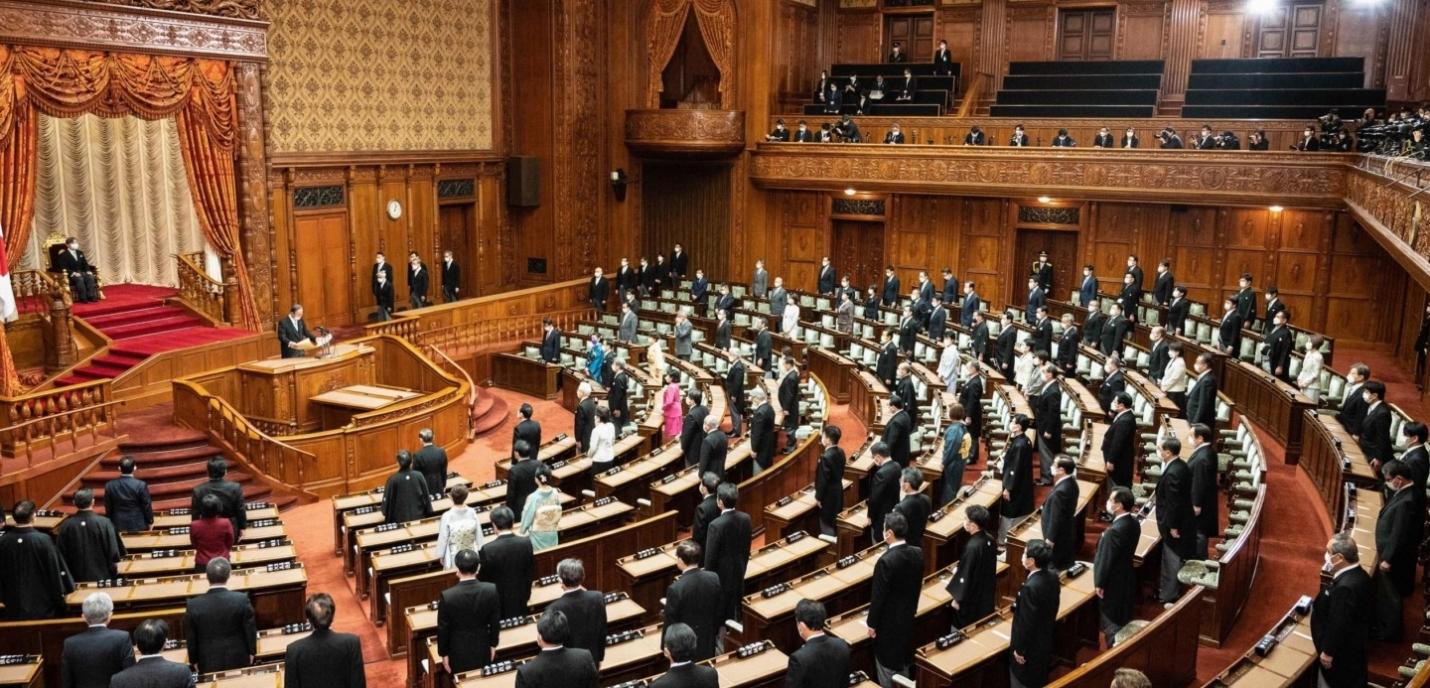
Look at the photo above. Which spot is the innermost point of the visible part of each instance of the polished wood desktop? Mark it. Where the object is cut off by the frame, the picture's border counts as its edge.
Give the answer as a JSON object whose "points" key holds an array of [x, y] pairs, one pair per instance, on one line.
{"points": [[529, 376]]}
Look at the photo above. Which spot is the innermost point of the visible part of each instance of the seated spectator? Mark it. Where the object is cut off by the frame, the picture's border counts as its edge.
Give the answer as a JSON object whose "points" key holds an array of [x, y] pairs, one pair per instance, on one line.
{"points": [[1204, 140], [826, 133], [975, 137], [894, 135], [1228, 141], [833, 99], [1062, 140], [877, 92], [780, 133], [1258, 141], [1129, 138], [802, 134], [1019, 138], [848, 131], [1308, 142], [906, 91], [1103, 139], [1169, 139]]}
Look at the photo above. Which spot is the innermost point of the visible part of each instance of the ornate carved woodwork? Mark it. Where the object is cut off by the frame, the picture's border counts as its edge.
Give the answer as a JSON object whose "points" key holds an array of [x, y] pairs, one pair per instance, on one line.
{"points": [[1389, 200], [256, 225], [95, 26], [704, 133], [234, 9]]}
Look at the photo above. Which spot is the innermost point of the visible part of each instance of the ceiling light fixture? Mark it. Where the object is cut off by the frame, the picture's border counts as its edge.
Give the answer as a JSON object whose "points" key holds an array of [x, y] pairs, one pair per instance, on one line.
{"points": [[849, 191], [1044, 199], [1276, 209]]}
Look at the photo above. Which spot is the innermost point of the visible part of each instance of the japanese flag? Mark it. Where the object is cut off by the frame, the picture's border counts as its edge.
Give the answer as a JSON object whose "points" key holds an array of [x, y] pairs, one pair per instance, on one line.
{"points": [[8, 309]]}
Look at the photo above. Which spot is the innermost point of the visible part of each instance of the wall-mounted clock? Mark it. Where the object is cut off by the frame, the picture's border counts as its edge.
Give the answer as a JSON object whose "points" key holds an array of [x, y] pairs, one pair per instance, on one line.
{"points": [[394, 209]]}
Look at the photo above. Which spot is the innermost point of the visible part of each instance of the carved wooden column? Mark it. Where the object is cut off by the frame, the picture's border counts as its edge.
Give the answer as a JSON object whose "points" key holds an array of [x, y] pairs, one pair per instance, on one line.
{"points": [[992, 56], [581, 108], [59, 332], [231, 309], [254, 221], [1182, 28]]}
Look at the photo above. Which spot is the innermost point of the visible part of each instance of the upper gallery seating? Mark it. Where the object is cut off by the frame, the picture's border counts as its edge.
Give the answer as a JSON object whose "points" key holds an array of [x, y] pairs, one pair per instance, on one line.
{"points": [[1124, 88], [932, 93], [1280, 88]]}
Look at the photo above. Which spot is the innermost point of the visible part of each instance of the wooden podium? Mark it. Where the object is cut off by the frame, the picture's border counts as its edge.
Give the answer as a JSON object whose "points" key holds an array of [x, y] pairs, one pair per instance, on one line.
{"points": [[278, 393]]}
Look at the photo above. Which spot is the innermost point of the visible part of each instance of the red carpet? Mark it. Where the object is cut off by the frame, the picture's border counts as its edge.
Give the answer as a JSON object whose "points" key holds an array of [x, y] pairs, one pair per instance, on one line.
{"points": [[140, 322]]}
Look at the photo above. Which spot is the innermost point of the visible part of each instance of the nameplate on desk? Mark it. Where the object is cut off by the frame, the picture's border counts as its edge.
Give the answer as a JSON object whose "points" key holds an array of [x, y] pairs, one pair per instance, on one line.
{"points": [[559, 437], [514, 622], [297, 628], [784, 501], [670, 478], [774, 590], [936, 515], [387, 527], [434, 605], [253, 506], [282, 566], [604, 500], [613, 597], [552, 579], [846, 561], [493, 484], [611, 472], [403, 548], [46, 513], [794, 537], [163, 553], [647, 553], [624, 636], [274, 542], [10, 660], [559, 464], [945, 642], [264, 523], [1303, 605], [180, 530], [178, 511], [638, 683], [753, 649], [366, 509], [502, 667], [1076, 570], [113, 583]]}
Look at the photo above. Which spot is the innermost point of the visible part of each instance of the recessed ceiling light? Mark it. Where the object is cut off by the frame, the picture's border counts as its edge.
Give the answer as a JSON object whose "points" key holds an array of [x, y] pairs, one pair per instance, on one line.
{"points": [[1276, 209], [849, 191], [1044, 199]]}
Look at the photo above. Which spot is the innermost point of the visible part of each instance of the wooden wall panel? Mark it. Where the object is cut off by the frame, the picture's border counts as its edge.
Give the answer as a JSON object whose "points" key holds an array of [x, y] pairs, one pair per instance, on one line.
{"points": [[533, 29], [1225, 26], [795, 60], [961, 28], [1140, 31], [1030, 33], [804, 227], [859, 37], [1361, 29], [690, 205]]}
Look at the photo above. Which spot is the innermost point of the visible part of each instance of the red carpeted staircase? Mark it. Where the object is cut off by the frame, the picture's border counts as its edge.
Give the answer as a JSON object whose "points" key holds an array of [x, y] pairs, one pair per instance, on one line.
{"points": [[488, 412], [141, 323]]}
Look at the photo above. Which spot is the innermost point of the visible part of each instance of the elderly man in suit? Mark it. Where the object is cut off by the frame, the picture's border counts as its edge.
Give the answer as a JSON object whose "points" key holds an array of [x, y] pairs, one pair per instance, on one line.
{"points": [[727, 550], [72, 260], [324, 659], [684, 335], [93, 656], [151, 670], [1340, 617], [431, 460], [1113, 576], [629, 324]]}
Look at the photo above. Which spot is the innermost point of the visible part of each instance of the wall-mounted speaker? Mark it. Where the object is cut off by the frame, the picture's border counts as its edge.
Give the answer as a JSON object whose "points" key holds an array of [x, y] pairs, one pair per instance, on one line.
{"points": [[523, 181]]}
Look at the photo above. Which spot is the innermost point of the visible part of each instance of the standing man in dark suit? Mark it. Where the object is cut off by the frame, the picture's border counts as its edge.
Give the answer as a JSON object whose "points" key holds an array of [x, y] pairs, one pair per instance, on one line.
{"points": [[1159, 355], [699, 291], [1059, 515], [735, 378], [33, 577], [468, 619], [971, 304], [970, 396], [1092, 325], [1375, 428], [1205, 501], [151, 670], [521, 478], [1035, 616], [324, 659], [693, 600], [913, 504], [219, 625], [678, 645], [898, 578], [1278, 347], [1067, 346], [380, 267], [974, 584], [1415, 456], [1352, 412], [723, 330], [382, 293], [1229, 331], [1201, 399], [883, 488], [616, 396], [1397, 545], [692, 427], [89, 542], [431, 460], [1113, 383], [452, 277], [1129, 298], [829, 478], [94, 655], [1119, 442], [886, 366], [1162, 288], [726, 302], [1134, 269], [526, 430], [1113, 576], [1178, 310], [898, 432], [1114, 331], [712, 449], [1274, 305], [126, 500], [789, 400], [823, 659], [550, 342], [1087, 290], [418, 280], [627, 280], [1017, 477], [557, 666], [599, 290], [1042, 337], [585, 610], [679, 264], [827, 276], [707, 510], [978, 339], [1245, 301], [904, 389], [630, 322], [762, 430], [229, 493], [1007, 337], [1340, 618], [1048, 422], [1037, 298], [508, 562], [779, 300], [891, 287], [406, 497], [938, 318], [950, 288], [81, 274], [1176, 520], [908, 331], [293, 331], [727, 551], [764, 347], [585, 420]]}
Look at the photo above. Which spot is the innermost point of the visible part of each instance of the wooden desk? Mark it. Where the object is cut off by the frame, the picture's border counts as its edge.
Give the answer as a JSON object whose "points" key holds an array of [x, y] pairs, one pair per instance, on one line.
{"points": [[277, 595], [945, 535], [866, 400], [178, 537], [265, 676], [647, 575], [1275, 406], [1331, 457], [174, 562], [529, 376], [280, 390], [26, 672], [372, 499], [838, 587], [835, 370], [1032, 528], [1288, 662], [631, 657], [799, 511], [337, 407]]}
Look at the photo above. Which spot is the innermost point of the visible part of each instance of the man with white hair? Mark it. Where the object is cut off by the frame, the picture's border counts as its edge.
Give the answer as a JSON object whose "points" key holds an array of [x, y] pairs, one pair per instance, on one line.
{"points": [[684, 331], [762, 430], [585, 416], [92, 656], [713, 448]]}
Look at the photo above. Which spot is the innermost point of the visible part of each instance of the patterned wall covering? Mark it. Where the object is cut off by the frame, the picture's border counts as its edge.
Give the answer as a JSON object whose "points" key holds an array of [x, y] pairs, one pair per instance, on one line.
{"points": [[379, 75]]}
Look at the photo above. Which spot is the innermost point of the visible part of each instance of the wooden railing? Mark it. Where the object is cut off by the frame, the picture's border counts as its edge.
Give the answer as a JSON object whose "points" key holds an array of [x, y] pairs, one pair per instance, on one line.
{"points": [[275, 462], [446, 363], [972, 93], [470, 336], [486, 320], [40, 419], [199, 291], [35, 290]]}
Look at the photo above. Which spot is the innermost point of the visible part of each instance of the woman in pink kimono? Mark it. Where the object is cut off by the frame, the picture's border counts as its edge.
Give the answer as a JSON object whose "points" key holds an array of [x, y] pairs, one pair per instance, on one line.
{"points": [[670, 405]]}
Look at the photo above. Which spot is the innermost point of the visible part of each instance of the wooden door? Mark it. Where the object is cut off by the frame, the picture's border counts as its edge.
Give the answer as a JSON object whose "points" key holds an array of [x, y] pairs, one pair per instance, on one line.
{"points": [[325, 282], [914, 32], [1087, 34], [455, 229], [859, 252], [1292, 30], [1062, 253]]}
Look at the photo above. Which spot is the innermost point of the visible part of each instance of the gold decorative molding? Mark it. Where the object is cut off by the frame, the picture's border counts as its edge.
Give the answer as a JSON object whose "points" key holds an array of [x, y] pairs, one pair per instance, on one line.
{"points": [[1180, 176], [236, 9], [707, 133], [1392, 201], [98, 26]]}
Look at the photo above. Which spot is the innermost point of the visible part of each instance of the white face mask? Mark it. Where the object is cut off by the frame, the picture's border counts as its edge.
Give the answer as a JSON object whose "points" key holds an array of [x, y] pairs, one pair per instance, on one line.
{"points": [[1328, 559]]}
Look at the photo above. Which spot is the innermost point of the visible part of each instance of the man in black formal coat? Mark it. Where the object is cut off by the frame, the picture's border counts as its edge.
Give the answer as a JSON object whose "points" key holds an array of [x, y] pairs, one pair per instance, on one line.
{"points": [[735, 379], [1352, 412], [1375, 427], [1245, 301], [1279, 343], [692, 427], [1037, 298], [33, 577], [1068, 346], [526, 430], [978, 339], [585, 610], [938, 318], [898, 578], [418, 281], [508, 562], [762, 430], [452, 278], [585, 420], [1059, 515], [616, 395], [219, 625], [1162, 287], [550, 342], [827, 276], [72, 260], [293, 331], [708, 509], [712, 449], [699, 292], [1201, 399], [886, 366], [468, 618], [1340, 617], [598, 290], [764, 347], [126, 500], [1103, 139], [384, 298], [829, 478], [1035, 615], [1178, 310], [908, 331], [229, 493], [1114, 381], [1159, 356], [1007, 338], [1415, 456], [904, 389], [1017, 477], [1397, 545], [324, 659], [1042, 337], [913, 504], [898, 432], [1113, 574], [1092, 325], [971, 304], [381, 267], [88, 542], [950, 288], [679, 264], [1130, 295], [789, 400], [822, 660], [94, 655], [883, 488], [431, 460], [870, 304], [1205, 501], [1114, 331], [1176, 520], [557, 666], [727, 550], [1048, 422], [974, 583], [521, 478], [151, 670], [891, 292], [678, 645], [1134, 269], [970, 396], [693, 600], [1119, 442], [726, 302], [406, 497]]}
